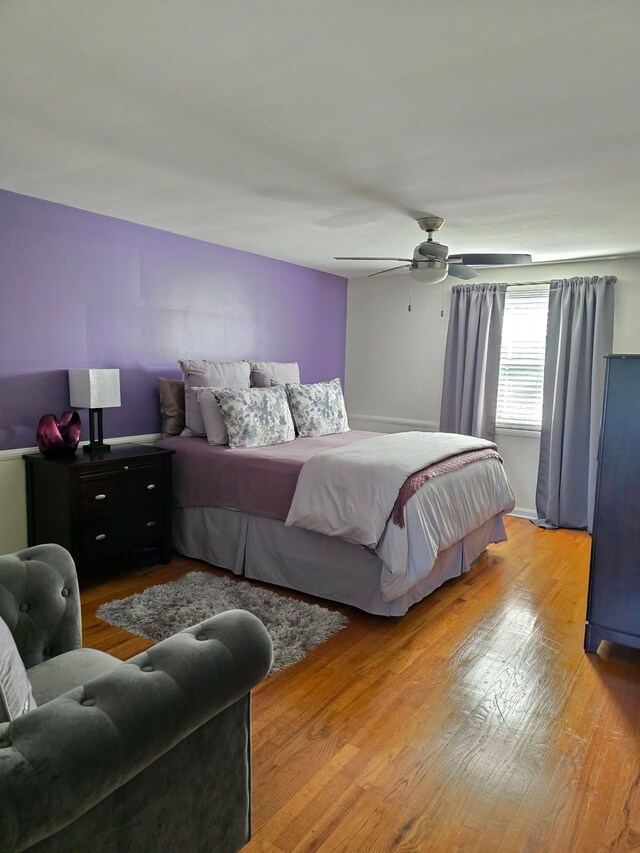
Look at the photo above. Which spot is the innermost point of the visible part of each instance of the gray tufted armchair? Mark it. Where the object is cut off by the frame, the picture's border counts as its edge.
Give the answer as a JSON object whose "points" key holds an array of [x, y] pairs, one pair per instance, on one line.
{"points": [[151, 754]]}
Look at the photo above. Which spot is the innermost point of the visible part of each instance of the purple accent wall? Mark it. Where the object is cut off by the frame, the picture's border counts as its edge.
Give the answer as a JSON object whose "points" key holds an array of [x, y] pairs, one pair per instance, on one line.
{"points": [[82, 290]]}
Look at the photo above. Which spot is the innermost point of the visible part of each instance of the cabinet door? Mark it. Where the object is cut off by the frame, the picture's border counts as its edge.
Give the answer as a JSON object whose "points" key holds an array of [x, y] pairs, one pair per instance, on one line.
{"points": [[614, 600]]}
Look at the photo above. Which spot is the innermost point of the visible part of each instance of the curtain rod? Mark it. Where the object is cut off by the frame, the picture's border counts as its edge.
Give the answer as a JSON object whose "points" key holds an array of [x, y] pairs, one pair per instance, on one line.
{"points": [[508, 284], [547, 281], [520, 283]]}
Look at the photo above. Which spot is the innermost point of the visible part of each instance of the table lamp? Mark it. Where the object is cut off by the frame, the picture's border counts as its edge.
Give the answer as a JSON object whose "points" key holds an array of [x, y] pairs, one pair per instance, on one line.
{"points": [[94, 389]]}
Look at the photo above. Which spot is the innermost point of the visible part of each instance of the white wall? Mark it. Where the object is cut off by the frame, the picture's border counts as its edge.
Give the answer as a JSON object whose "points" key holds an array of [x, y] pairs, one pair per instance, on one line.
{"points": [[395, 358]]}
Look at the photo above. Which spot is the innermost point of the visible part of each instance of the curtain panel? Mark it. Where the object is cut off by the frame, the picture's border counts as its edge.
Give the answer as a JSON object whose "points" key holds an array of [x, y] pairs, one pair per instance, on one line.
{"points": [[472, 360], [579, 336]]}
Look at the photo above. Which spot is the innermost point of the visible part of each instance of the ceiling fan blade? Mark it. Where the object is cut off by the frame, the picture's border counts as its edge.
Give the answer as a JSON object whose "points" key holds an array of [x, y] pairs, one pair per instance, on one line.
{"points": [[401, 267], [462, 271], [490, 259], [406, 260]]}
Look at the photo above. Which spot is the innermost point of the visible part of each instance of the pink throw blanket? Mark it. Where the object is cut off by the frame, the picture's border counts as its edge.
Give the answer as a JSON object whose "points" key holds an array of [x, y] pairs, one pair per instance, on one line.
{"points": [[417, 480]]}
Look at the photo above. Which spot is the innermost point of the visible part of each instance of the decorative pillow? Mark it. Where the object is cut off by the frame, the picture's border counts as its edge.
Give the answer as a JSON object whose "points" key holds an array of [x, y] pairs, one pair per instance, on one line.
{"points": [[213, 374], [256, 417], [214, 424], [171, 406], [318, 409], [16, 697], [264, 373]]}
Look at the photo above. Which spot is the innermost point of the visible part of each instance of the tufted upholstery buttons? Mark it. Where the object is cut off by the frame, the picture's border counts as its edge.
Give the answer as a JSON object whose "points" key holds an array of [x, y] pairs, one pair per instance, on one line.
{"points": [[202, 637], [89, 702], [46, 650], [147, 668], [65, 592], [31, 589]]}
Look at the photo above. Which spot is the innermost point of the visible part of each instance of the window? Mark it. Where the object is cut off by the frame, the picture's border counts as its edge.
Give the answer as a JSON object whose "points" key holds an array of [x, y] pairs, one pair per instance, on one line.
{"points": [[524, 333]]}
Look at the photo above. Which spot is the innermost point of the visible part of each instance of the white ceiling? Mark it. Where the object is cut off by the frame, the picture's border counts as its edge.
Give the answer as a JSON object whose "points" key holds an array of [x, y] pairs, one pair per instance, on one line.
{"points": [[302, 130]]}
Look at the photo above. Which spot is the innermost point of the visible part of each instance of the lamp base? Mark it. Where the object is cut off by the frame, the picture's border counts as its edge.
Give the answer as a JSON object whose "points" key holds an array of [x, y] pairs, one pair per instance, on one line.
{"points": [[95, 433], [92, 448]]}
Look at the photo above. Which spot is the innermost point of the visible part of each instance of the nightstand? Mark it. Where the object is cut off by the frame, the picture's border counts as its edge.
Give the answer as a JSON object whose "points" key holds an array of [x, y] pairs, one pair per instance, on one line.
{"points": [[109, 509]]}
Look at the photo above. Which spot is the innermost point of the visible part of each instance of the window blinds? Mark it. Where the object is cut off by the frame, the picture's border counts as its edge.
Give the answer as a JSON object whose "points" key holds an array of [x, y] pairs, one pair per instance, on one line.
{"points": [[522, 352]]}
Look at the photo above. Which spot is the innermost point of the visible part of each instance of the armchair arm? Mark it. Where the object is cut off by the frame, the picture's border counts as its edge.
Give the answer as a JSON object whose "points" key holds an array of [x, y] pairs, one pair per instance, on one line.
{"points": [[59, 760], [40, 602]]}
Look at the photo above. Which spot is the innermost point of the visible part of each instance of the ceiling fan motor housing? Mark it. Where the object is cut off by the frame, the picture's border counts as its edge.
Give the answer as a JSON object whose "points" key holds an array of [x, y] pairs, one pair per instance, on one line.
{"points": [[430, 249]]}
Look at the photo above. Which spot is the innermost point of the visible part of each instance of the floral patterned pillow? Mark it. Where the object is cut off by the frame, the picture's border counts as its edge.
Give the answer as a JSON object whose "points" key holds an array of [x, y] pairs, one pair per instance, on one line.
{"points": [[318, 409], [255, 417]]}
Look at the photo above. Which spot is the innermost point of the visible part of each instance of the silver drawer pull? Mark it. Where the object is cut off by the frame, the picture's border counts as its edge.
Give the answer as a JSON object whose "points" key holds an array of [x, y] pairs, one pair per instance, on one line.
{"points": [[99, 497], [101, 536], [125, 467], [151, 486], [151, 524]]}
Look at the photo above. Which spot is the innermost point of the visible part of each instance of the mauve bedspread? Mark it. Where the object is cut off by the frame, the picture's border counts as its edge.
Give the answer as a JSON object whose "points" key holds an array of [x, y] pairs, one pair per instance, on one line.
{"points": [[258, 480]]}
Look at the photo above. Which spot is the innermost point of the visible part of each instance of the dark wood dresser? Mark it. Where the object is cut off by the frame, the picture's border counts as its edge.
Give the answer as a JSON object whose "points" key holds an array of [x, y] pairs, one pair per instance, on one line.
{"points": [[109, 509], [613, 607]]}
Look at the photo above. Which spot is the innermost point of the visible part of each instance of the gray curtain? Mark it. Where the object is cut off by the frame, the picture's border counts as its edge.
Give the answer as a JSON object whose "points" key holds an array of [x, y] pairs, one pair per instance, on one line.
{"points": [[472, 360], [579, 335]]}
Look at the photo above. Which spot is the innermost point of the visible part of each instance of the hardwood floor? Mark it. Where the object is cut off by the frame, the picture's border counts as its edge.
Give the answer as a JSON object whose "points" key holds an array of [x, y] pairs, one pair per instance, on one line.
{"points": [[475, 722]]}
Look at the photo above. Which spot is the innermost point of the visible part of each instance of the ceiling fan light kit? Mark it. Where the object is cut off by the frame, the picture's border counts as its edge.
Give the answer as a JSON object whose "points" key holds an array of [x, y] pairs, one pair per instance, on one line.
{"points": [[431, 262], [429, 272]]}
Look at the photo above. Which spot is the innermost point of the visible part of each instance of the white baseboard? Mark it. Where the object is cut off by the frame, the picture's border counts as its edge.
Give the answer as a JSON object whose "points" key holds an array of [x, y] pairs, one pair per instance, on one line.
{"points": [[523, 512], [13, 494]]}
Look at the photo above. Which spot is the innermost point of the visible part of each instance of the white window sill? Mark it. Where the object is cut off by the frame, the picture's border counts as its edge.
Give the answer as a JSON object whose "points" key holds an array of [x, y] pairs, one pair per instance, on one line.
{"points": [[518, 433]]}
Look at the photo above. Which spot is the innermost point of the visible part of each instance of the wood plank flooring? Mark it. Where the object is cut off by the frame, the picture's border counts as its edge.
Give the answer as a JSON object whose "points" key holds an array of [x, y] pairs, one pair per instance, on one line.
{"points": [[475, 723]]}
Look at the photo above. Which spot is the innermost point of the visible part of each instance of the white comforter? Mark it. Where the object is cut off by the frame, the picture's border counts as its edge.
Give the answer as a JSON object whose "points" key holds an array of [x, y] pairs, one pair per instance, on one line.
{"points": [[350, 491]]}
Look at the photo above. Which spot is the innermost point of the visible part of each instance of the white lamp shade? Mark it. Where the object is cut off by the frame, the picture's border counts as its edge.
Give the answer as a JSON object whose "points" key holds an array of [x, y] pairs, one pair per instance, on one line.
{"points": [[91, 388]]}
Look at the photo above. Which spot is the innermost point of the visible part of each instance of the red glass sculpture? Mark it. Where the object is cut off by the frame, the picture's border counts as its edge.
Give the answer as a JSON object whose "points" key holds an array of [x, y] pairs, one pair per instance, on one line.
{"points": [[59, 437]]}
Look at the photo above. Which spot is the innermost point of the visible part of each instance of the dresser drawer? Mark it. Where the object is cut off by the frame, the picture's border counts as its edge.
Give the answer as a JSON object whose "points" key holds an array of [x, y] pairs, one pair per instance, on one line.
{"points": [[123, 491], [110, 535], [104, 537], [146, 528]]}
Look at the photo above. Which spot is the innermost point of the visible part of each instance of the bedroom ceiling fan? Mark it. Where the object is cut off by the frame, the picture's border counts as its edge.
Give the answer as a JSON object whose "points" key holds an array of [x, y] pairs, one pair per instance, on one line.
{"points": [[431, 262]]}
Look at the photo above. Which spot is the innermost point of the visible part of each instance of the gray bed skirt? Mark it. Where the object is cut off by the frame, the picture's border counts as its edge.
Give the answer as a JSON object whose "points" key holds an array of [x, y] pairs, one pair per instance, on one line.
{"points": [[264, 549]]}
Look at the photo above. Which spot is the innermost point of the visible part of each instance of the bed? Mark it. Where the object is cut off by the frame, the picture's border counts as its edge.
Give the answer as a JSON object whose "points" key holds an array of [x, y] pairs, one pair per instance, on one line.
{"points": [[232, 505]]}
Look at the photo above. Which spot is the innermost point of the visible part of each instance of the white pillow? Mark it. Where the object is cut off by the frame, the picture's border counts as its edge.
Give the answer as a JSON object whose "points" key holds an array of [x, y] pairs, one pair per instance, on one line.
{"points": [[199, 373], [212, 416], [256, 417], [263, 373], [318, 409], [16, 697]]}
